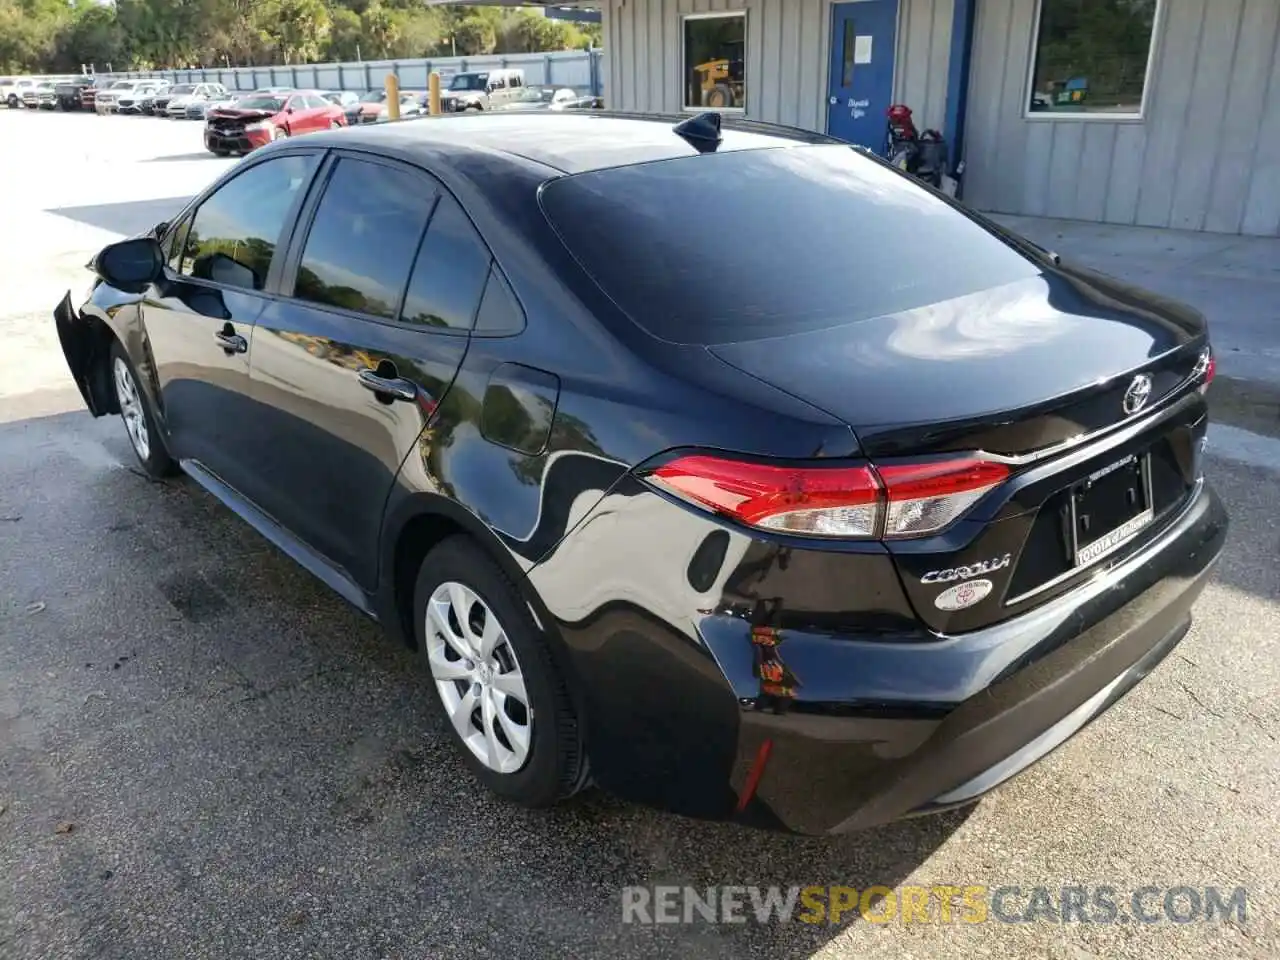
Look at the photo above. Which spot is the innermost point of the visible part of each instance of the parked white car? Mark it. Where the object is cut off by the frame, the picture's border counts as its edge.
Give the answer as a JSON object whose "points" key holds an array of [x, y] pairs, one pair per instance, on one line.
{"points": [[203, 93], [130, 101], [109, 99]]}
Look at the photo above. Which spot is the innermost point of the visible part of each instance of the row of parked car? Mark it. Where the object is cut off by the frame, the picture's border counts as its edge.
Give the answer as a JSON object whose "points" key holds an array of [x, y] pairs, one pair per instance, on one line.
{"points": [[238, 121]]}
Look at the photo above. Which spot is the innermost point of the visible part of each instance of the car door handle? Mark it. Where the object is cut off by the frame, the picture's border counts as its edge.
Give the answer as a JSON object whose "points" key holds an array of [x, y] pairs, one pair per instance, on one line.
{"points": [[231, 342], [397, 387]]}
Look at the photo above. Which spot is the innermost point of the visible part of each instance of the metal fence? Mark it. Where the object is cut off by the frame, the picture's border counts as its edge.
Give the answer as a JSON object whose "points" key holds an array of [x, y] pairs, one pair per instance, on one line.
{"points": [[565, 68]]}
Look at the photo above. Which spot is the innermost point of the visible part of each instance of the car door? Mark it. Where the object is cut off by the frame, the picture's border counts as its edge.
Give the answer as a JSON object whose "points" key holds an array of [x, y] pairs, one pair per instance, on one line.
{"points": [[323, 112], [199, 319], [358, 358], [297, 115]]}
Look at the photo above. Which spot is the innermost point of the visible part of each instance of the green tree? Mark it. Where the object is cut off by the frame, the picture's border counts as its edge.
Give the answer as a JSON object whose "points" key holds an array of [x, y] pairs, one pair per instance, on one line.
{"points": [[475, 36], [345, 32]]}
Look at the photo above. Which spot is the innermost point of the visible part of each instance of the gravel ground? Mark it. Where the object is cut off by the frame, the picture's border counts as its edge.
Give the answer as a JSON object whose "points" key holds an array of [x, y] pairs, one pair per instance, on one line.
{"points": [[203, 753]]}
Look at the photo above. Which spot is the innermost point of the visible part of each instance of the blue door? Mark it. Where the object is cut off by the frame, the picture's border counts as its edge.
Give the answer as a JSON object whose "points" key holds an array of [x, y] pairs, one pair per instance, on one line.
{"points": [[864, 34]]}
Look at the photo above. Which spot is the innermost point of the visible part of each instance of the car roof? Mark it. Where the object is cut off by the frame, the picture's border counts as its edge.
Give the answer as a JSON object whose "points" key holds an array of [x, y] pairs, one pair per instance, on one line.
{"points": [[573, 142]]}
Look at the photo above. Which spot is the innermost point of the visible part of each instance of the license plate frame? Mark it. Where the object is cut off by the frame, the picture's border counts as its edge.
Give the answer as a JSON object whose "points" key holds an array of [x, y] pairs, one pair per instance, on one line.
{"points": [[1084, 555]]}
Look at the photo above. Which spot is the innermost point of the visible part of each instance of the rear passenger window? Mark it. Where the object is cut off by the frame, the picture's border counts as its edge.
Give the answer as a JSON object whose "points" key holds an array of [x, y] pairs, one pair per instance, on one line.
{"points": [[499, 311], [313, 101], [236, 229], [362, 242], [450, 272]]}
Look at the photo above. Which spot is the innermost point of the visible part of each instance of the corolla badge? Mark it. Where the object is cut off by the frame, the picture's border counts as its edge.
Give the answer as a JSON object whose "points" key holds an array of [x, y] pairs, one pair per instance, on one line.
{"points": [[1135, 398], [963, 595], [964, 573]]}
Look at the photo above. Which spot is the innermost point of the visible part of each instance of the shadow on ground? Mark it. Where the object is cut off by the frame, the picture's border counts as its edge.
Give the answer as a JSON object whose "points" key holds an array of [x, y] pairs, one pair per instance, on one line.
{"points": [[129, 217], [251, 769], [173, 158]]}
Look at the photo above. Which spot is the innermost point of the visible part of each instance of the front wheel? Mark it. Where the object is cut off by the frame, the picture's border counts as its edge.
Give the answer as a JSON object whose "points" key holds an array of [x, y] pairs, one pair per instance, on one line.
{"points": [[13, 102], [494, 677], [139, 420]]}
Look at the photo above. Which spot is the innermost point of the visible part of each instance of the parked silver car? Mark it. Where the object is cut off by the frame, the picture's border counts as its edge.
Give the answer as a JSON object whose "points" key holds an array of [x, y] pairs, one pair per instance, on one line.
{"points": [[203, 93]]}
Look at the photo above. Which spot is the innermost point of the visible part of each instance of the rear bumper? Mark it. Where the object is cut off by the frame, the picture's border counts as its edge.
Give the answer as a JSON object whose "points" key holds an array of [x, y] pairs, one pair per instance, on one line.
{"points": [[853, 732]]}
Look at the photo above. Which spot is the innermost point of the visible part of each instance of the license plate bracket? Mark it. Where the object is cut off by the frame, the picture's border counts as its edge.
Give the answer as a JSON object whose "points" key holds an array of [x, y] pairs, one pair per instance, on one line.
{"points": [[1109, 507]]}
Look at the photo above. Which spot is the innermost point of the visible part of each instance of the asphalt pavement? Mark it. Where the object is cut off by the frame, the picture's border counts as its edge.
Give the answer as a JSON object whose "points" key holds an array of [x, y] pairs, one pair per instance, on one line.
{"points": [[206, 754]]}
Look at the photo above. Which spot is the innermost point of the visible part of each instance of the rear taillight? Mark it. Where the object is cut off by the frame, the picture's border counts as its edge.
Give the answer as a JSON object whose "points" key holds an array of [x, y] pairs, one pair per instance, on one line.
{"points": [[824, 502], [925, 497], [1206, 367], [861, 502]]}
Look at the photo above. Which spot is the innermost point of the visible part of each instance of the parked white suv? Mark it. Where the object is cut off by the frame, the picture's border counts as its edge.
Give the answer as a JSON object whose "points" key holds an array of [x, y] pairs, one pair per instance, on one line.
{"points": [[109, 99], [486, 90]]}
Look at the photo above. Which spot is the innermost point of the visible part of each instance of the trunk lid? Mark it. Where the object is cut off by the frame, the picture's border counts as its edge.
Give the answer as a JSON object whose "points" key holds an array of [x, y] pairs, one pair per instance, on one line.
{"points": [[1028, 371], [1011, 370]]}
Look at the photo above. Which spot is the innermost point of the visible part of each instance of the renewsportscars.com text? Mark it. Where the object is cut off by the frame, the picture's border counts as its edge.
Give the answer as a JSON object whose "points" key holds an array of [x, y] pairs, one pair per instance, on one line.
{"points": [[940, 904]]}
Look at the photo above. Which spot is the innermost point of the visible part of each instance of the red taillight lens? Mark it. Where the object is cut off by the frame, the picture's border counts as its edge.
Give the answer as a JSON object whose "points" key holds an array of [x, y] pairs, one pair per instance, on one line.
{"points": [[864, 502], [1206, 367], [817, 501], [925, 497]]}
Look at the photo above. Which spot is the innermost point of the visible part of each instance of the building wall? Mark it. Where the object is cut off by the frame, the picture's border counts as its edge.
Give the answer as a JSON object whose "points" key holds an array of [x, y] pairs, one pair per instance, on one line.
{"points": [[788, 54], [1206, 155]]}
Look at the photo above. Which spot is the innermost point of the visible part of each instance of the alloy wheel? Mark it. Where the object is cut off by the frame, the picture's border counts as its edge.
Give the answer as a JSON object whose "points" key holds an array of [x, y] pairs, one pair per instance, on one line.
{"points": [[478, 676], [135, 418]]}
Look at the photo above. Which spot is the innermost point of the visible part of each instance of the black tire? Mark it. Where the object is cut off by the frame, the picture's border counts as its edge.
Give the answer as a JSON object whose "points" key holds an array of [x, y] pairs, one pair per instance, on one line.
{"points": [[13, 102], [157, 462], [720, 96], [556, 764]]}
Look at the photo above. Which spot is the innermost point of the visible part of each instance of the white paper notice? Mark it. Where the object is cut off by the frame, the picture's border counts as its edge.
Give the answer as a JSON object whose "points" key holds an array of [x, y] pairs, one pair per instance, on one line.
{"points": [[862, 49]]}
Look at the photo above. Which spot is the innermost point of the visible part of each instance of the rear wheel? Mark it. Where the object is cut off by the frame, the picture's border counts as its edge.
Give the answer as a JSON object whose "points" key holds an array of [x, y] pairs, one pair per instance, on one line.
{"points": [[139, 421], [494, 677], [334, 125], [13, 102]]}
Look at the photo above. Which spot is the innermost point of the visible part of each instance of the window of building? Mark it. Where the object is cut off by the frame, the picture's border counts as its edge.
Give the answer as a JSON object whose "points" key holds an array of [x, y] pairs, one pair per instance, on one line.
{"points": [[1092, 57], [715, 74], [362, 242]]}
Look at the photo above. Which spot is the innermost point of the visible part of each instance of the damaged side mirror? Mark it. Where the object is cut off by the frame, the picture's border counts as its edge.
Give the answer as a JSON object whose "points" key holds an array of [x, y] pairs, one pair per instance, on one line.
{"points": [[130, 265]]}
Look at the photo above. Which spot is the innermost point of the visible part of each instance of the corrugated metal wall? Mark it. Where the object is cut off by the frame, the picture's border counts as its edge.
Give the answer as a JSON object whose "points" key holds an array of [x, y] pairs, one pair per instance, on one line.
{"points": [[788, 53], [1205, 157]]}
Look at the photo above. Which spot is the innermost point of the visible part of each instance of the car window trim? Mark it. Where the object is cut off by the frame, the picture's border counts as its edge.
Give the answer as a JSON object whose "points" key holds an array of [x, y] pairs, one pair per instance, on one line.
{"points": [[293, 255], [306, 220], [271, 285]]}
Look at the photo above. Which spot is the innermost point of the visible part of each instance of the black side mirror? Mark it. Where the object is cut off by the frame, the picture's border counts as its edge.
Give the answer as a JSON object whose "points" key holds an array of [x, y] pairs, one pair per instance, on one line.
{"points": [[130, 264], [158, 230]]}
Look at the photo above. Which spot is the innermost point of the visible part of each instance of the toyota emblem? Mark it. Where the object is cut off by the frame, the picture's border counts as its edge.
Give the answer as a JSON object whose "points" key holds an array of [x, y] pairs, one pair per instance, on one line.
{"points": [[1139, 392]]}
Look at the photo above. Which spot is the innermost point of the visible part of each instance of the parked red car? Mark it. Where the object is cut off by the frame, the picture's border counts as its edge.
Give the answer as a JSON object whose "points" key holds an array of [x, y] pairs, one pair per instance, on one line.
{"points": [[260, 118]]}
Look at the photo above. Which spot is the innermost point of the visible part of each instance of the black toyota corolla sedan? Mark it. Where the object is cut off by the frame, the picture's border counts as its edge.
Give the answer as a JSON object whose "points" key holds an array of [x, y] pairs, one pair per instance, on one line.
{"points": [[726, 468]]}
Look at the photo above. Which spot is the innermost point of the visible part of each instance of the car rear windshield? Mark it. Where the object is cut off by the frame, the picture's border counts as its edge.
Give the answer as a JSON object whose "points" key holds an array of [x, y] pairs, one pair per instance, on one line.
{"points": [[751, 244], [182, 88]]}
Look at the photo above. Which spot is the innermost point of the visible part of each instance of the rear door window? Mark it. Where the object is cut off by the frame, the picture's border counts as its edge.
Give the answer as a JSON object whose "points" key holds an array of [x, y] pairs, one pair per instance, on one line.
{"points": [[362, 242], [450, 272], [759, 243]]}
